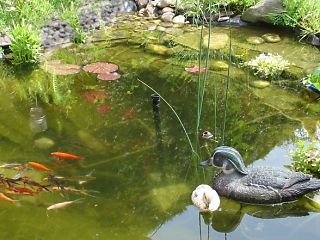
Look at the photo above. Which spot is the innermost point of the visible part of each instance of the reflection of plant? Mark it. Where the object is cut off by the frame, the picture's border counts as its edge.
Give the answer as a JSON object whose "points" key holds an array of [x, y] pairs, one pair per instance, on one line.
{"points": [[267, 65], [306, 158], [25, 44]]}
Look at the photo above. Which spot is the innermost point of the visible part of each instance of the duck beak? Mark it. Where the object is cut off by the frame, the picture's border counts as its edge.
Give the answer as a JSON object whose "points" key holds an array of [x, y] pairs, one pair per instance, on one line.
{"points": [[206, 163]]}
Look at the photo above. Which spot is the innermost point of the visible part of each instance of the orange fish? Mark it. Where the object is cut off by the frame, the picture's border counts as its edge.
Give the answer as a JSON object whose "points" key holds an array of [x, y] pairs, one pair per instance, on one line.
{"points": [[39, 166], [4, 197], [23, 190], [65, 155]]}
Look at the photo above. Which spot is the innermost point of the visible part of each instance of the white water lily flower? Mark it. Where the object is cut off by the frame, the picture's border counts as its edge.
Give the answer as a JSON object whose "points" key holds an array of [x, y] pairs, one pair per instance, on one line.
{"points": [[268, 65], [205, 198]]}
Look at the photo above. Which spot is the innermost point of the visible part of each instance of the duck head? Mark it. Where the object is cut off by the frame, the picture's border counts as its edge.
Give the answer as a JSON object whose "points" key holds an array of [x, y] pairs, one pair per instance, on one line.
{"points": [[205, 198], [227, 158]]}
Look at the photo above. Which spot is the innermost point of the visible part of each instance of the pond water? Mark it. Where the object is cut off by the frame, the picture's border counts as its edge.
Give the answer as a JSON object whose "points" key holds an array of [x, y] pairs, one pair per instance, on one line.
{"points": [[141, 165]]}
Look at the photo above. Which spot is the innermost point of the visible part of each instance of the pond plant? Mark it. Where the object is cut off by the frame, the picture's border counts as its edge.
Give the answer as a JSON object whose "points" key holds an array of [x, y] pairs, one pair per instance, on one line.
{"points": [[267, 66], [306, 158]]}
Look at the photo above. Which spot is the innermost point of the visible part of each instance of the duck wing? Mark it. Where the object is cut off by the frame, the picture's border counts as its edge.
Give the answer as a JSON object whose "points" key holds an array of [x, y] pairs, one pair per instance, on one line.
{"points": [[274, 178]]}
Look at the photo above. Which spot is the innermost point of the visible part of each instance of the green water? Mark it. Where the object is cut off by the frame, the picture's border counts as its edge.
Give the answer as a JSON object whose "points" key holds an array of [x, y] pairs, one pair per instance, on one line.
{"points": [[143, 167]]}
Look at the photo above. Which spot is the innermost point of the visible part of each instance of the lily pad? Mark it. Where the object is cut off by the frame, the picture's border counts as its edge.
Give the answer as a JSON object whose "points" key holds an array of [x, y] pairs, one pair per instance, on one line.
{"points": [[101, 67], [195, 69], [108, 76], [58, 68]]}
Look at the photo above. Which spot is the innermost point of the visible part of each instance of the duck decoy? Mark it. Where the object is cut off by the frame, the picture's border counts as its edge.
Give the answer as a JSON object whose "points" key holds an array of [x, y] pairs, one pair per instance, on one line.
{"points": [[256, 184], [205, 198]]}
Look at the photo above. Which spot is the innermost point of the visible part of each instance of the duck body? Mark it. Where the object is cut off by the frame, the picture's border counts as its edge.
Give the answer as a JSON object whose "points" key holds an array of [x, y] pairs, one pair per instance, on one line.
{"points": [[257, 184]]}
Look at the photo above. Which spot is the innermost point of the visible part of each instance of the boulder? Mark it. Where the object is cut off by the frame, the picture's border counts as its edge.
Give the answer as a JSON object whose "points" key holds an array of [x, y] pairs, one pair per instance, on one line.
{"points": [[180, 19], [271, 37], [261, 11], [167, 3], [167, 17], [255, 40]]}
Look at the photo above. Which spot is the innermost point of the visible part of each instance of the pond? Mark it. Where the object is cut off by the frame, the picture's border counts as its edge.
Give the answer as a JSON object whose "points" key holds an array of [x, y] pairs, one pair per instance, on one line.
{"points": [[137, 170]]}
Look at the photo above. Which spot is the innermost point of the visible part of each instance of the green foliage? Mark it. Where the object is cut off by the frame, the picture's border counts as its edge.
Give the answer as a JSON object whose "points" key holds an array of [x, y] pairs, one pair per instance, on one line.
{"points": [[314, 78], [304, 14], [70, 15], [25, 44], [306, 158]]}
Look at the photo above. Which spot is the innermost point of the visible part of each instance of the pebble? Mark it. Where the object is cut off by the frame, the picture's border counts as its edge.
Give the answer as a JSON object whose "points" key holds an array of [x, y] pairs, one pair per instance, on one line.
{"points": [[271, 37], [255, 40], [260, 84]]}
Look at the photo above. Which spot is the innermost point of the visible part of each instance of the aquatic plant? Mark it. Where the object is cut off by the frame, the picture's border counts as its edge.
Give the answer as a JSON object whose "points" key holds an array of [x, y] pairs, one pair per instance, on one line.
{"points": [[306, 158], [314, 78], [25, 44], [267, 66], [57, 68], [100, 67]]}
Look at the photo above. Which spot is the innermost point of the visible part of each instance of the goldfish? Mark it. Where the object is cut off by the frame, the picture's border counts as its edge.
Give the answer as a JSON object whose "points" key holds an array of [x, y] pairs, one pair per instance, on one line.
{"points": [[39, 166], [65, 155], [26, 191], [4, 197], [61, 205]]}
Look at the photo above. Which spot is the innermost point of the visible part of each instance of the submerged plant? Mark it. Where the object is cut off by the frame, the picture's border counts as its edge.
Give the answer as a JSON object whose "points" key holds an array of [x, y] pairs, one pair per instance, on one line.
{"points": [[25, 44], [268, 66], [306, 158]]}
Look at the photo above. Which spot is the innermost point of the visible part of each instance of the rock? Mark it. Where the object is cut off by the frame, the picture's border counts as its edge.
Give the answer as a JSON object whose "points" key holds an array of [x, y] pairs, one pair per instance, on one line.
{"points": [[314, 40], [259, 84], [167, 17], [174, 31], [217, 41], [180, 19], [255, 40], [141, 3], [161, 29], [262, 11], [167, 9], [44, 143], [167, 3], [151, 10], [4, 41], [219, 65], [152, 28], [159, 49], [271, 37]]}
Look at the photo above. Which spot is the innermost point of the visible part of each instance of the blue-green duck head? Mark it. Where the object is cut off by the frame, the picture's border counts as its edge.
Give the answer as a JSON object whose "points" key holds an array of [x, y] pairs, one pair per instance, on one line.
{"points": [[227, 158]]}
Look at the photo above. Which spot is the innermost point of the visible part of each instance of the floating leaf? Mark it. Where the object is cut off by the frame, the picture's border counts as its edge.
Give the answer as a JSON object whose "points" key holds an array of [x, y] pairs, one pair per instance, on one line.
{"points": [[57, 68], [100, 67], [109, 76], [195, 69]]}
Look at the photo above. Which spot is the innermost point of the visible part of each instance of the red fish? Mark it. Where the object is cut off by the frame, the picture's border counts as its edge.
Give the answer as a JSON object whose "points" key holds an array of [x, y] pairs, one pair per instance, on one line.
{"points": [[65, 155], [39, 166], [103, 109], [26, 191]]}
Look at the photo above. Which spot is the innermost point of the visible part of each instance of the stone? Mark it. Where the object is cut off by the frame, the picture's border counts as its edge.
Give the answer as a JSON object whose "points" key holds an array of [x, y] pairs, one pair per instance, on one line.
{"points": [[180, 19], [217, 41], [260, 84], [255, 40], [174, 31], [262, 11], [167, 17], [167, 3], [151, 11], [44, 143], [4, 41], [218, 65], [152, 28], [142, 3], [161, 29], [167, 9], [159, 49], [271, 37]]}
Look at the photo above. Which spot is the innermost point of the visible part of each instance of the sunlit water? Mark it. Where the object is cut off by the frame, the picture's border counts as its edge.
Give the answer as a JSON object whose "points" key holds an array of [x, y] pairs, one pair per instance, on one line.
{"points": [[143, 168]]}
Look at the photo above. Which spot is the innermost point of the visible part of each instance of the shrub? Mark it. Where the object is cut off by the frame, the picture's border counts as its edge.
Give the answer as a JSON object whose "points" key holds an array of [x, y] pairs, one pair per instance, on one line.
{"points": [[267, 65], [25, 44], [304, 14], [306, 158]]}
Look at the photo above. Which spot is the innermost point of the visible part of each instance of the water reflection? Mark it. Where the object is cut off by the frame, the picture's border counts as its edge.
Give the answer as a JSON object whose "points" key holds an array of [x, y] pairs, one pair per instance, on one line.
{"points": [[38, 122]]}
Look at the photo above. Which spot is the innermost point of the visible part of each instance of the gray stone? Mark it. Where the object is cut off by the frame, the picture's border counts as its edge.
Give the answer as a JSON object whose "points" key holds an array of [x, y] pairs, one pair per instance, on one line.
{"points": [[142, 3], [255, 40], [271, 37], [262, 11], [166, 3], [167, 9], [167, 17], [217, 41], [180, 19], [259, 84]]}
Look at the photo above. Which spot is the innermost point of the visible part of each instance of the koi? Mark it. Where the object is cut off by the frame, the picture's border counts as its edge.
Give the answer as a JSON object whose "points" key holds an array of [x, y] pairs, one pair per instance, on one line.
{"points": [[74, 190], [11, 165], [25, 191], [39, 166], [6, 198], [65, 155], [61, 205]]}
